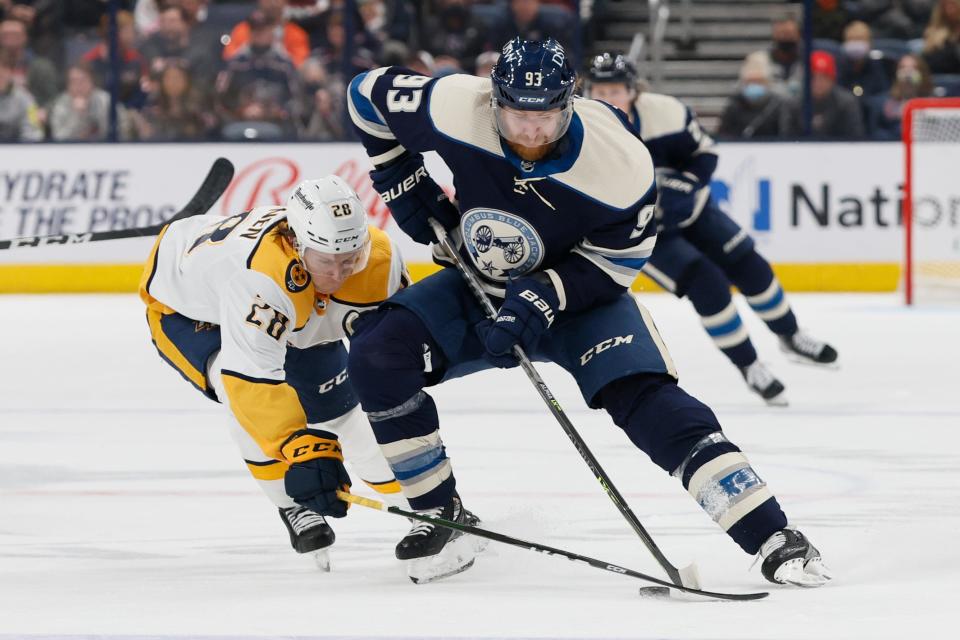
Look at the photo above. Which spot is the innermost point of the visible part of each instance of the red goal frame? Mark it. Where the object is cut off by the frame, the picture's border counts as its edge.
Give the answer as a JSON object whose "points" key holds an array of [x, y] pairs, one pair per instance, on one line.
{"points": [[912, 106]]}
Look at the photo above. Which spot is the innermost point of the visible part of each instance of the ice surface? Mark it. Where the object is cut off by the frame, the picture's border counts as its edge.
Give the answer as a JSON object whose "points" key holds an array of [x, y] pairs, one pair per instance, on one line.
{"points": [[125, 509]]}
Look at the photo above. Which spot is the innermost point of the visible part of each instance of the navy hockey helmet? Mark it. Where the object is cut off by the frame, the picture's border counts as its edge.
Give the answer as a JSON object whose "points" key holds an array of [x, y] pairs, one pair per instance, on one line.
{"points": [[609, 68], [533, 75]]}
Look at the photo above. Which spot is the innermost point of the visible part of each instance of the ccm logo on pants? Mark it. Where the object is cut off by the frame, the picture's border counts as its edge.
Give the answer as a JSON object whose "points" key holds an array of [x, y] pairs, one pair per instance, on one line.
{"points": [[328, 386], [603, 346]]}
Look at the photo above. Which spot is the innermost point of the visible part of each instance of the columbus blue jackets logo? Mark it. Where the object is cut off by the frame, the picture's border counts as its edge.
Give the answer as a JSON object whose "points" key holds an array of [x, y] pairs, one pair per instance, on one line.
{"points": [[501, 244], [296, 277]]}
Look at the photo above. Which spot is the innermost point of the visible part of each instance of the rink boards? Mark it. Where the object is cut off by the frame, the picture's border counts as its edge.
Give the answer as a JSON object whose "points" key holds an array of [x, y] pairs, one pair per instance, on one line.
{"points": [[828, 215]]}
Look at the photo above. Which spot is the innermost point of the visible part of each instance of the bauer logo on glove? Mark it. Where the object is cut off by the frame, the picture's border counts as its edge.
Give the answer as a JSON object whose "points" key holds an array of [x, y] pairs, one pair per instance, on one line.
{"points": [[542, 305]]}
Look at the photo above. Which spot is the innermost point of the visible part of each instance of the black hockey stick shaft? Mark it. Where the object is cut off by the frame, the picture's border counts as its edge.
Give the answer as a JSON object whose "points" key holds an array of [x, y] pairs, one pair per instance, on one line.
{"points": [[548, 398], [216, 182], [541, 548]]}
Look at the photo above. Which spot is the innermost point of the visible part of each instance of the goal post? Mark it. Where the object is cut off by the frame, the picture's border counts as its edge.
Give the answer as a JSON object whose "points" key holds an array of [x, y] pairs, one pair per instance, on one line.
{"points": [[931, 199]]}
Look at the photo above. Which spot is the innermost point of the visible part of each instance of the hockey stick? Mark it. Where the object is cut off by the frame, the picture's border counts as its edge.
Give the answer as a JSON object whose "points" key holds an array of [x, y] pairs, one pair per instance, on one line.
{"points": [[686, 576], [541, 548], [216, 182]]}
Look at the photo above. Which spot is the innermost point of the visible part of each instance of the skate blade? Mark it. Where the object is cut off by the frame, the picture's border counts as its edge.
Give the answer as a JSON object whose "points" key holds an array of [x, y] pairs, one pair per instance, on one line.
{"points": [[809, 575], [456, 557], [779, 400], [322, 558], [424, 579], [794, 358]]}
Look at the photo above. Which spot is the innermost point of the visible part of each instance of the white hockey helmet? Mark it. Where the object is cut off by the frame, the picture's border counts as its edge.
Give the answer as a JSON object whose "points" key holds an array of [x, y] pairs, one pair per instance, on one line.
{"points": [[330, 225]]}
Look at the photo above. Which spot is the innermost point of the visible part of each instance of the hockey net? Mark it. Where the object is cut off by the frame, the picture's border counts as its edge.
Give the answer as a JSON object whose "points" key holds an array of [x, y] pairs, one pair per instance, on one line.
{"points": [[931, 207]]}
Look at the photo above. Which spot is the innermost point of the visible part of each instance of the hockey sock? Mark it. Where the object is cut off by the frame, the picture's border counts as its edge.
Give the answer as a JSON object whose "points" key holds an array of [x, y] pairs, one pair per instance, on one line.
{"points": [[719, 477], [755, 279], [387, 368], [683, 437], [709, 290]]}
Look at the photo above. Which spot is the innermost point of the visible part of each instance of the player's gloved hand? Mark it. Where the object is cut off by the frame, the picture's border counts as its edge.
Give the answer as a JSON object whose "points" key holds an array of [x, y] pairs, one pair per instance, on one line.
{"points": [[528, 309], [313, 483], [413, 197], [679, 197]]}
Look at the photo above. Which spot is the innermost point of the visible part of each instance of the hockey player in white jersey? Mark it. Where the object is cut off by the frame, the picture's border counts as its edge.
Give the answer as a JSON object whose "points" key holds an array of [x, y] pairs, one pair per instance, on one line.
{"points": [[253, 309], [700, 251]]}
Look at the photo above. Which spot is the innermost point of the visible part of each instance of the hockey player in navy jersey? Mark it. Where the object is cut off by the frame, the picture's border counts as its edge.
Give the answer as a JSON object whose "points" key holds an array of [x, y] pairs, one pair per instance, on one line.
{"points": [[555, 206], [700, 250]]}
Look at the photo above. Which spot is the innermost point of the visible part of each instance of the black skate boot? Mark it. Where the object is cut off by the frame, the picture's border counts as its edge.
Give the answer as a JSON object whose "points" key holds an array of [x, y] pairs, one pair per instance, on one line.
{"points": [[309, 533], [762, 382], [802, 348], [789, 558], [436, 552]]}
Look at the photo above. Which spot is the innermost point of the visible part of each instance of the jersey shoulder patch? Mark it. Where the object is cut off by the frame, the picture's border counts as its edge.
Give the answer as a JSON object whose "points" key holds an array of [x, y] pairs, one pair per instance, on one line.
{"points": [[275, 258], [460, 110], [613, 167], [372, 285], [660, 115]]}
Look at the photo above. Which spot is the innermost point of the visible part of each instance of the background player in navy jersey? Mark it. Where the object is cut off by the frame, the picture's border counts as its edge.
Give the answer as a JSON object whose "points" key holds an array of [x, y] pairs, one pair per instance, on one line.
{"points": [[700, 250], [556, 201]]}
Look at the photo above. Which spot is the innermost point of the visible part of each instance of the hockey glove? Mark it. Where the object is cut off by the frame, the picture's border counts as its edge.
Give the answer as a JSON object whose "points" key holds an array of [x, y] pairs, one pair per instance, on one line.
{"points": [[527, 311], [314, 483], [679, 197], [413, 197]]}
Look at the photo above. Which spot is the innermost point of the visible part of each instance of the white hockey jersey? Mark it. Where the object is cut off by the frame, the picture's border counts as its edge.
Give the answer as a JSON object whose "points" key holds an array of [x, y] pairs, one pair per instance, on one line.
{"points": [[241, 274]]}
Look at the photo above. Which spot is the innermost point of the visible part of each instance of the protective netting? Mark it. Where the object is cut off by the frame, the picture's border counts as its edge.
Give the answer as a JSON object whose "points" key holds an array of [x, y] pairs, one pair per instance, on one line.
{"points": [[934, 189]]}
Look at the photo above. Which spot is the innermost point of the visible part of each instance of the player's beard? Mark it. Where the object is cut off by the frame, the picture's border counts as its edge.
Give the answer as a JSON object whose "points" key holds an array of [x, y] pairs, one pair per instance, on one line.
{"points": [[531, 154]]}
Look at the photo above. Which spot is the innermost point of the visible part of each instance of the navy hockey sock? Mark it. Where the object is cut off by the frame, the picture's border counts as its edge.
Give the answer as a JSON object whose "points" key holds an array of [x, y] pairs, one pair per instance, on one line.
{"points": [[755, 279], [719, 477], [387, 367], [709, 290], [683, 437]]}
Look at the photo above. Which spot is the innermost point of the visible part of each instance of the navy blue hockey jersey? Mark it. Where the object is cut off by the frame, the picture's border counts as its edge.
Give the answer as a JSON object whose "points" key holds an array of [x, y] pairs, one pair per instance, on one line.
{"points": [[582, 215], [673, 136]]}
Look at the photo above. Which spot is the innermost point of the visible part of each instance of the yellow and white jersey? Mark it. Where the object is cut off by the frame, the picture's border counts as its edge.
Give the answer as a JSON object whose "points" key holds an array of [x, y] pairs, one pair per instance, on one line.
{"points": [[241, 274]]}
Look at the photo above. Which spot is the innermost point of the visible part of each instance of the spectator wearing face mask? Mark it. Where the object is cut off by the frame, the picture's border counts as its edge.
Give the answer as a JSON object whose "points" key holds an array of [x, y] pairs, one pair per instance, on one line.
{"points": [[884, 113], [836, 113], [786, 56], [755, 111], [861, 69], [941, 40]]}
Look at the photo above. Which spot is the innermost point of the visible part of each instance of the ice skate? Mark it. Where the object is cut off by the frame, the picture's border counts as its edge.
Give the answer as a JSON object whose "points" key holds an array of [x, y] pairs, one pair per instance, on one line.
{"points": [[800, 347], [764, 384], [789, 558], [309, 533], [433, 552]]}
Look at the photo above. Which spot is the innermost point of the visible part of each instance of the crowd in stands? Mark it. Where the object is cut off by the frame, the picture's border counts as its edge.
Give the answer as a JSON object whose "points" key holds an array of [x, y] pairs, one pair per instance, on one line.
{"points": [[277, 69], [870, 57], [229, 70]]}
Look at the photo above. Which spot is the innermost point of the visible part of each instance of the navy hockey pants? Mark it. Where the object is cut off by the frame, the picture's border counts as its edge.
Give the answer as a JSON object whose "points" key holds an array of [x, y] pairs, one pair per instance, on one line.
{"points": [[425, 334]]}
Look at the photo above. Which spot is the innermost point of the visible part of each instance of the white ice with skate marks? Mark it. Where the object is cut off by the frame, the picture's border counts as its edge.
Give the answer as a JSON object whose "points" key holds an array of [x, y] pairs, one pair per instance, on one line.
{"points": [[126, 511]]}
